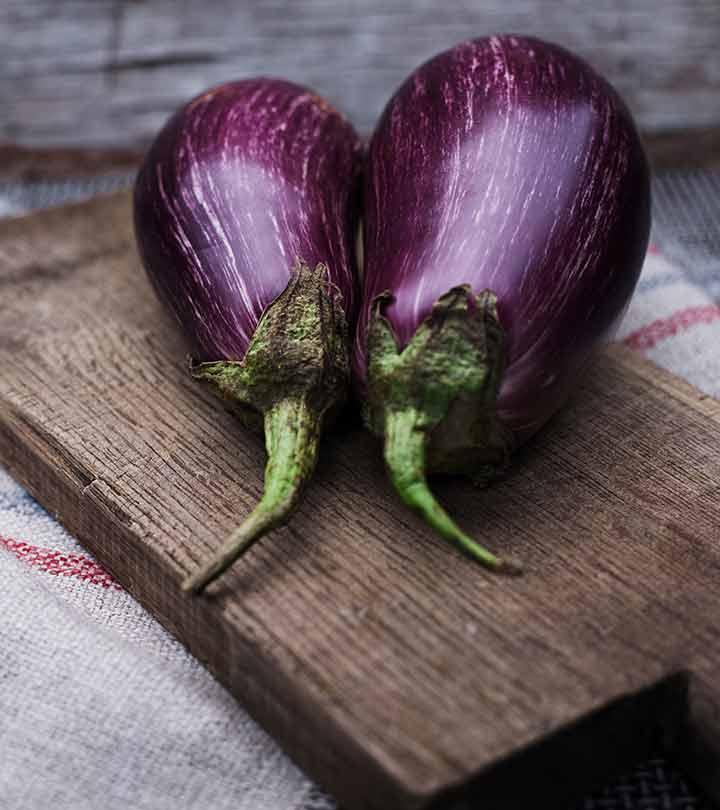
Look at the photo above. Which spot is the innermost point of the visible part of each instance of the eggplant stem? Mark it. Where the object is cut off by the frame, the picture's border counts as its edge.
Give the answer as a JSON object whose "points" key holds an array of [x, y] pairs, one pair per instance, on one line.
{"points": [[292, 435], [405, 458]]}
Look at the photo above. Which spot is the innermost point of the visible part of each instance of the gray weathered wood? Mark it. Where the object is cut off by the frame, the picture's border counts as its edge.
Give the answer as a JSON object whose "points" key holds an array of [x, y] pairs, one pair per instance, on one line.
{"points": [[110, 71], [393, 669]]}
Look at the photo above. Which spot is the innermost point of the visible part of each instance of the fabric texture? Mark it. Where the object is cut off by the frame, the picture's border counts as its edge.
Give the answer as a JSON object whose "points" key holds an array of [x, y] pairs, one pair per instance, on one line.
{"points": [[100, 707]]}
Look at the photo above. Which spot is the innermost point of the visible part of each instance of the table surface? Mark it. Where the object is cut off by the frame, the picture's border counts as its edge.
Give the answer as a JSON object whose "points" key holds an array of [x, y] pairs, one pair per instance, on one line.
{"points": [[688, 233]]}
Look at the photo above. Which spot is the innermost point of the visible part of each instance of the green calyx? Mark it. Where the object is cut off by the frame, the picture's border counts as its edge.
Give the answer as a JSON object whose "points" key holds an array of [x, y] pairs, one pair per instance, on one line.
{"points": [[299, 350], [295, 371], [434, 403]]}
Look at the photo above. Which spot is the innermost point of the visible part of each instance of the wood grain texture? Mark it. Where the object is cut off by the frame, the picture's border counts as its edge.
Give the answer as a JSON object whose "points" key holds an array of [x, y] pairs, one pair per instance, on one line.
{"points": [[684, 149], [110, 71], [393, 669], [22, 165]]}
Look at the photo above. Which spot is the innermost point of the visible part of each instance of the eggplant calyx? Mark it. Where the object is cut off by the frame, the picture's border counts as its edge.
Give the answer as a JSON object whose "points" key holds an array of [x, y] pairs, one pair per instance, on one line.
{"points": [[299, 350], [295, 371], [433, 402], [450, 373]]}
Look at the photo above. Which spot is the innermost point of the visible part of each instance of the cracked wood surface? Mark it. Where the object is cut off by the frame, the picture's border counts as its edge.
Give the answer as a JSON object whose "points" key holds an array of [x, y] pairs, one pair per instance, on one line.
{"points": [[395, 671], [109, 72]]}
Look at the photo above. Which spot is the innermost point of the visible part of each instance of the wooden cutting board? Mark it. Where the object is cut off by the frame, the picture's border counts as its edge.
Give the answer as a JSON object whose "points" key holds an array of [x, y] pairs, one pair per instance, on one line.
{"points": [[394, 670]]}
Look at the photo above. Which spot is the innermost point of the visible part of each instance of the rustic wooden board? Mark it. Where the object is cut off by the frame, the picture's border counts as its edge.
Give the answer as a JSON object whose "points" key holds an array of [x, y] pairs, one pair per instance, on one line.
{"points": [[110, 71], [22, 165], [394, 670]]}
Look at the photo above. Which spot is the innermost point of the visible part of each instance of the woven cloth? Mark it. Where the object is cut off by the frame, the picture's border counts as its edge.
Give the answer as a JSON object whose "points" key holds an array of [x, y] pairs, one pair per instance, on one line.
{"points": [[101, 708]]}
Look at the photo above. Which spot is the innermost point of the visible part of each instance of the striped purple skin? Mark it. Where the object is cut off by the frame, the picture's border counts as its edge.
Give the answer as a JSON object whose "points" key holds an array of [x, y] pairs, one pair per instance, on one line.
{"points": [[508, 164], [238, 184]]}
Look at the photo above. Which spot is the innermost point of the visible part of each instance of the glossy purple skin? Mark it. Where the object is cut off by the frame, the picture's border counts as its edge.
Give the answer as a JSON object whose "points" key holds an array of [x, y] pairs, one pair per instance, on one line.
{"points": [[508, 164], [238, 184]]}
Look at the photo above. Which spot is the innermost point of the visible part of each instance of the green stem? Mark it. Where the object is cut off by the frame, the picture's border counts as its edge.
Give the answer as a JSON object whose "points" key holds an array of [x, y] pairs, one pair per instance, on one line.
{"points": [[292, 434], [405, 458]]}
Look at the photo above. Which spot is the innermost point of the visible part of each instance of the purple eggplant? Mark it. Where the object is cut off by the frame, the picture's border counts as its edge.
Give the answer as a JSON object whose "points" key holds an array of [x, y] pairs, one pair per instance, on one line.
{"points": [[245, 211], [506, 217]]}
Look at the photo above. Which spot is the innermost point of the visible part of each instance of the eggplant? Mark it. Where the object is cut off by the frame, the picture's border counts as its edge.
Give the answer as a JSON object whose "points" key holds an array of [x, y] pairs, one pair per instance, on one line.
{"points": [[245, 211], [506, 218]]}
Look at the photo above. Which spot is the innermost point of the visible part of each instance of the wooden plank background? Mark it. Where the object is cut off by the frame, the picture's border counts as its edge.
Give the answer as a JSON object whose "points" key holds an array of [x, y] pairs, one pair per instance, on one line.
{"points": [[391, 667], [108, 72]]}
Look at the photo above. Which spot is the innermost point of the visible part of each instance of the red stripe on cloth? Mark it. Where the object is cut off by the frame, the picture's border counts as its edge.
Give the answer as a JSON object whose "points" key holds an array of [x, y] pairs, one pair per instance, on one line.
{"points": [[59, 564], [647, 336]]}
